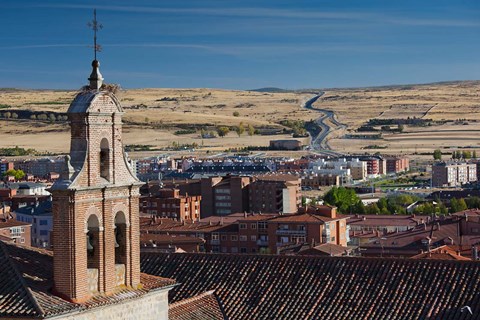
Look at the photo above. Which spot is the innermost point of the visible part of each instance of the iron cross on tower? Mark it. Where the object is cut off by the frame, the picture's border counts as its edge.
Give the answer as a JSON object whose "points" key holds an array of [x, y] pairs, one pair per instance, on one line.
{"points": [[95, 26]]}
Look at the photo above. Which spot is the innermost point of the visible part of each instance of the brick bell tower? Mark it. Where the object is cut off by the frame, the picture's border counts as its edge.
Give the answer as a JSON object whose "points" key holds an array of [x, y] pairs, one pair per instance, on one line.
{"points": [[95, 202]]}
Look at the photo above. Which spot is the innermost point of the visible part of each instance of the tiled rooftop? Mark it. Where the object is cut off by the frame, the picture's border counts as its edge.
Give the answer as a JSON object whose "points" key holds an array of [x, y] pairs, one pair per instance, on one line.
{"points": [[26, 283], [12, 223], [308, 287], [305, 217], [164, 224], [204, 306]]}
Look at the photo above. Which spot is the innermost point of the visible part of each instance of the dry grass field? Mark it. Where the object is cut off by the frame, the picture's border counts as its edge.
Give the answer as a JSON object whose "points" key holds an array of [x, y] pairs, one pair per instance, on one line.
{"points": [[153, 115], [457, 103]]}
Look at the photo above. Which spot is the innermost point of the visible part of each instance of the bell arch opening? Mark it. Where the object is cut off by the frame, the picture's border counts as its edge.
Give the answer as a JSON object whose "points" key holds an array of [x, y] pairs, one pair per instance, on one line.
{"points": [[120, 247], [93, 252], [104, 161]]}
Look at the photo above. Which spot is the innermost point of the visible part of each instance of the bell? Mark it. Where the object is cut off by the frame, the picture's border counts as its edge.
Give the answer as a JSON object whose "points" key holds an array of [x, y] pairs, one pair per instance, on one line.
{"points": [[89, 243], [117, 234]]}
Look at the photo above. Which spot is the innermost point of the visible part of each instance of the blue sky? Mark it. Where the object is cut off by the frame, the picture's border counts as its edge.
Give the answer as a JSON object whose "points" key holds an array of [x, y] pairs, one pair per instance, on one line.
{"points": [[240, 44]]}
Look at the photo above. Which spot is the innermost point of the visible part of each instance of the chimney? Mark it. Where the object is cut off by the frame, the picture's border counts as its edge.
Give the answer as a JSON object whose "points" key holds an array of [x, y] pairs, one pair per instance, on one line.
{"points": [[244, 214]]}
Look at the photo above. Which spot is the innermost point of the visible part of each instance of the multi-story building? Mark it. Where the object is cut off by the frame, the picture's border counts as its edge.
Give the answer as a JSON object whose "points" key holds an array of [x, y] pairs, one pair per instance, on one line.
{"points": [[376, 166], [451, 174], [275, 193], [41, 167], [40, 217], [5, 165], [320, 180], [222, 196], [397, 164], [15, 231], [168, 203]]}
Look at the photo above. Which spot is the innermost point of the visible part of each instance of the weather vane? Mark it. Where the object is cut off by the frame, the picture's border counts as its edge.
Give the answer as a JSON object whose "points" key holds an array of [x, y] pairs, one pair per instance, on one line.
{"points": [[95, 26]]}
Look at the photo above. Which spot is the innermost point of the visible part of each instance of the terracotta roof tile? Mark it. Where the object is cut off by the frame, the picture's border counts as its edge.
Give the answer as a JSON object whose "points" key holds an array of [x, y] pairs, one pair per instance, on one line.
{"points": [[26, 286], [311, 287], [204, 306]]}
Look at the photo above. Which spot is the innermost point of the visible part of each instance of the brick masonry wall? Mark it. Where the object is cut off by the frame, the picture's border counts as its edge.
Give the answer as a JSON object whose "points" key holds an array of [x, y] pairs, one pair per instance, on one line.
{"points": [[90, 194]]}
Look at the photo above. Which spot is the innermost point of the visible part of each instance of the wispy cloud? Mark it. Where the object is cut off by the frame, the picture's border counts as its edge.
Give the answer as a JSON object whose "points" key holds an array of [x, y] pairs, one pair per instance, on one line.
{"points": [[250, 12]]}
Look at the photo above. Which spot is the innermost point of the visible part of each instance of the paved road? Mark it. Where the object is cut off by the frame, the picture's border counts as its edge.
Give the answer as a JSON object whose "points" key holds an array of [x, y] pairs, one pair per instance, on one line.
{"points": [[319, 143]]}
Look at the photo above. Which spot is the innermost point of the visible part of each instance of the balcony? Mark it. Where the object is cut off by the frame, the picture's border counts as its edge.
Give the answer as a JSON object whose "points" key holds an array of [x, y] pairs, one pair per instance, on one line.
{"points": [[262, 243], [281, 232]]}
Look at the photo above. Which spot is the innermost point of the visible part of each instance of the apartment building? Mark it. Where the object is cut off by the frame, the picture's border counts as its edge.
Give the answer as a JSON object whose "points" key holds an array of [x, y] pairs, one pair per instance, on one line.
{"points": [[168, 203], [316, 181], [452, 174], [275, 193], [397, 164], [15, 231]]}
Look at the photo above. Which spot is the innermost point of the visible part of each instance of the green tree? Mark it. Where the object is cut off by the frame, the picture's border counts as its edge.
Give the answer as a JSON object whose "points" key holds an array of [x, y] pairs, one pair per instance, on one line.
{"points": [[240, 129], [18, 174], [400, 127], [251, 130], [473, 202], [236, 113], [457, 205], [222, 131], [474, 154], [7, 115], [51, 117], [14, 115], [344, 199], [372, 209], [466, 154], [437, 154], [33, 117]]}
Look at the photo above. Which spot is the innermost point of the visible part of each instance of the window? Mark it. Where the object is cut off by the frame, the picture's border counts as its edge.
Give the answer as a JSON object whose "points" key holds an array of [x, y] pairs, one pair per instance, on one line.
{"points": [[234, 250], [253, 226], [253, 238], [215, 236], [43, 222], [243, 238], [332, 239], [262, 225], [254, 250], [44, 232], [283, 227], [234, 238], [243, 250], [22, 240], [223, 238], [243, 226], [301, 227]]}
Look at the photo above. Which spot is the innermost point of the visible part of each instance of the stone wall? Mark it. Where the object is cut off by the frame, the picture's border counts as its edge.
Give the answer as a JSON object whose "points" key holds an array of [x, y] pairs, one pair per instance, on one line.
{"points": [[153, 305]]}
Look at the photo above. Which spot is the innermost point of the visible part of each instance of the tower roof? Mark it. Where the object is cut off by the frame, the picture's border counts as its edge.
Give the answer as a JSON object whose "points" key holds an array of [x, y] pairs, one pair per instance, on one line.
{"points": [[84, 102]]}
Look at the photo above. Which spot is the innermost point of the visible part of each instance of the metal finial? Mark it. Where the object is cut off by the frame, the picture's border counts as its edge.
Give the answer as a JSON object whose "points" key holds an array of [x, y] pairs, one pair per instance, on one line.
{"points": [[95, 26]]}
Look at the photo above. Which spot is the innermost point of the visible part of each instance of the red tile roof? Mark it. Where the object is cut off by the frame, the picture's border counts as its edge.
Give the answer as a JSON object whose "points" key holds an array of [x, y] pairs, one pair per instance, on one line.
{"points": [[204, 306], [26, 286], [304, 217], [441, 253], [9, 223], [310, 287]]}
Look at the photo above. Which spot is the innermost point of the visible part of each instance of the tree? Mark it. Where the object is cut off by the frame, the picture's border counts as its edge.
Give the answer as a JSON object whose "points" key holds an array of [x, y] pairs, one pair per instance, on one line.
{"points": [[400, 127], [344, 199], [457, 205], [33, 117], [18, 174], [51, 117], [240, 129], [222, 131], [466, 154], [236, 113], [437, 154], [251, 130], [14, 116], [474, 154], [372, 209], [7, 115]]}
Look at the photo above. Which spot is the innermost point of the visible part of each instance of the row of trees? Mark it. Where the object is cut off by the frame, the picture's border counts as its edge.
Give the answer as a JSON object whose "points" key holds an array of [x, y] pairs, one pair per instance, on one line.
{"points": [[465, 154], [43, 116], [347, 202], [222, 131]]}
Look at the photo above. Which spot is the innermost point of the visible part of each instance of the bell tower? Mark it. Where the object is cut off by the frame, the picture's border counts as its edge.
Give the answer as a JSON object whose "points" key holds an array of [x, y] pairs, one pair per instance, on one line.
{"points": [[95, 201]]}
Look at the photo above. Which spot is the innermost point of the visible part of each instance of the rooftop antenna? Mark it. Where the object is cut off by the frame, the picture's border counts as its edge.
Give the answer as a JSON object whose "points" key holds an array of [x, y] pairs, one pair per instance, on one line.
{"points": [[95, 26]]}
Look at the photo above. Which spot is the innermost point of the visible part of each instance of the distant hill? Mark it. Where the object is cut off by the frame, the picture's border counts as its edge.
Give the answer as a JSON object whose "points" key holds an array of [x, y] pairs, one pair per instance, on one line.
{"points": [[271, 90]]}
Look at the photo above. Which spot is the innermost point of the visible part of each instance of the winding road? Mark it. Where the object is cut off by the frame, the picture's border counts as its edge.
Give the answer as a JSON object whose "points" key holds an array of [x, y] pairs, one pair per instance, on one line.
{"points": [[319, 142]]}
